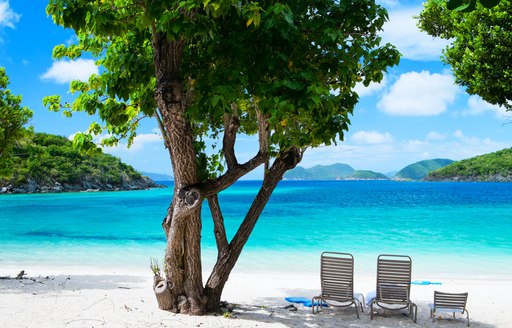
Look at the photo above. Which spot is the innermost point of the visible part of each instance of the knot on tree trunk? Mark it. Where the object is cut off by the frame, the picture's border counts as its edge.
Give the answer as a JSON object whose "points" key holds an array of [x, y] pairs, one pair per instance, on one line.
{"points": [[183, 304], [190, 196], [292, 157], [163, 293]]}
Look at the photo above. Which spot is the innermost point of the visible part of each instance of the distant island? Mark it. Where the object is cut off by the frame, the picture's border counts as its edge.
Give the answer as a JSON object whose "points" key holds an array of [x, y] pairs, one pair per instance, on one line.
{"points": [[332, 172], [412, 172], [49, 163], [157, 176], [419, 170], [493, 167]]}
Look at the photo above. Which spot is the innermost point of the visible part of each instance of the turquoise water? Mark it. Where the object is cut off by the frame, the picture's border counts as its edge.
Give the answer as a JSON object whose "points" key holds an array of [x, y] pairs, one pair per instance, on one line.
{"points": [[448, 228]]}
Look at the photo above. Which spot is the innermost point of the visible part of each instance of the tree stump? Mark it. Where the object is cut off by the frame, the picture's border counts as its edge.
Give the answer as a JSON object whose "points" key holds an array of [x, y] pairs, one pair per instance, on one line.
{"points": [[162, 293]]}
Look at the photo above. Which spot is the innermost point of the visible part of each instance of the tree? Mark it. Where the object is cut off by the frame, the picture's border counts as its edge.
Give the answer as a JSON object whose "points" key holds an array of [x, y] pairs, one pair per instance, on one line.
{"points": [[480, 53], [210, 70], [13, 117], [466, 5]]}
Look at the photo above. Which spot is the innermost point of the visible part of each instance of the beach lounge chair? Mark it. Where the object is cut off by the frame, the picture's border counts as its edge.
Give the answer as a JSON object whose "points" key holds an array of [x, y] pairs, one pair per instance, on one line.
{"points": [[337, 282], [394, 284], [449, 302]]}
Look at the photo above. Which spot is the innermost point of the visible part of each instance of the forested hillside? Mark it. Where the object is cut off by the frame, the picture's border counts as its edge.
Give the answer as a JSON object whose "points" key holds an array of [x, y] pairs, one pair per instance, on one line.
{"points": [[495, 166], [49, 163]]}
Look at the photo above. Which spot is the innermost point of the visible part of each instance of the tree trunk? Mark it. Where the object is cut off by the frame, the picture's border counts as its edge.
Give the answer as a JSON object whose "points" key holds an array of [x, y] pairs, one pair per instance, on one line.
{"points": [[183, 221]]}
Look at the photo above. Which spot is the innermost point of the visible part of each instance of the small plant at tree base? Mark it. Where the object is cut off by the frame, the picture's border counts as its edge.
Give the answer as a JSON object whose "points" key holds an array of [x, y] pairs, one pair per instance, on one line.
{"points": [[228, 315], [154, 266]]}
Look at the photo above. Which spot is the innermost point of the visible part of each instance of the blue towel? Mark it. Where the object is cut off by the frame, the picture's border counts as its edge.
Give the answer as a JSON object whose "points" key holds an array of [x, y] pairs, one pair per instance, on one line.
{"points": [[424, 282], [306, 301]]}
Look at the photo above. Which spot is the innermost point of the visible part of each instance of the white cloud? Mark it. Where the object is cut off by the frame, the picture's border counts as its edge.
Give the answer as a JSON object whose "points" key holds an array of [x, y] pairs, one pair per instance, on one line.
{"points": [[363, 91], [7, 16], [435, 136], [401, 31], [419, 94], [478, 106], [140, 142], [371, 137], [67, 71]]}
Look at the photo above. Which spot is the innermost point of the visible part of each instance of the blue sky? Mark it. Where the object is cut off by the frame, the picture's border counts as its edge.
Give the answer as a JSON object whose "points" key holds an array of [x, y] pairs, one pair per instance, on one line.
{"points": [[416, 113]]}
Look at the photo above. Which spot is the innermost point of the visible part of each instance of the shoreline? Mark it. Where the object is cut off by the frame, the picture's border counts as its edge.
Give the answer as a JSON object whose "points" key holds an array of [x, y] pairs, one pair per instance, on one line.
{"points": [[91, 296]]}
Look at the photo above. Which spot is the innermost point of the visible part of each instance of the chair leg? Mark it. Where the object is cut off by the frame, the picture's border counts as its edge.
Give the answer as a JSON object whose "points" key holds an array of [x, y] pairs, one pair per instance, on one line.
{"points": [[467, 316], [363, 304], [371, 310], [313, 305], [357, 309], [415, 316]]}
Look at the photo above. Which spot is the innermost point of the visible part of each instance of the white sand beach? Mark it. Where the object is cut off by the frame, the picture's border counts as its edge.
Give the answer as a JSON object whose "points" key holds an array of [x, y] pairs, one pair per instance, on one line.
{"points": [[88, 297]]}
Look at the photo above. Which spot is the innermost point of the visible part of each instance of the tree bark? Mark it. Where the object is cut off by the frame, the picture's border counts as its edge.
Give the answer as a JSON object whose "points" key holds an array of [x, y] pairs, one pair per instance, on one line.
{"points": [[183, 221]]}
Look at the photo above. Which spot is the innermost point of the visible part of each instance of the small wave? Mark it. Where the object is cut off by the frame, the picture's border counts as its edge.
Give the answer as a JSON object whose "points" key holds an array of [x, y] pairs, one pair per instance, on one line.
{"points": [[56, 234]]}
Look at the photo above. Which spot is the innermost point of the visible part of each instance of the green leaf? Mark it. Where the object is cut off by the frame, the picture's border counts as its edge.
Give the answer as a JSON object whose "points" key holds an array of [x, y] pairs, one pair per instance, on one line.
{"points": [[489, 3]]}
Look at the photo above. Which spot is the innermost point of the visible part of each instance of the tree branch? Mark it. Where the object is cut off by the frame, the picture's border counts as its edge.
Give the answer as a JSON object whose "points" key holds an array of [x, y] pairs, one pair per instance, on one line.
{"points": [[286, 161], [236, 171], [226, 261], [218, 226], [231, 125], [158, 117]]}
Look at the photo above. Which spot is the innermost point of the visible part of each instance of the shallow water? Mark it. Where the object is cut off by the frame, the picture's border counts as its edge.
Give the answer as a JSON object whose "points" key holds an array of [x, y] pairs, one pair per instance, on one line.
{"points": [[448, 228]]}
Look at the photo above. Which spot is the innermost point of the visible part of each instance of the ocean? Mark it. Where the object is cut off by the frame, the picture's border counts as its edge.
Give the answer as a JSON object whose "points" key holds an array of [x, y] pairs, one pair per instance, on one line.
{"points": [[449, 229]]}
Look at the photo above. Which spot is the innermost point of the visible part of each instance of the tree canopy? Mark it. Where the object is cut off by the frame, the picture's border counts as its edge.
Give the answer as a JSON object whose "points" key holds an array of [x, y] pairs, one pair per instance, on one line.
{"points": [[295, 62], [13, 117], [466, 5], [208, 71], [480, 53]]}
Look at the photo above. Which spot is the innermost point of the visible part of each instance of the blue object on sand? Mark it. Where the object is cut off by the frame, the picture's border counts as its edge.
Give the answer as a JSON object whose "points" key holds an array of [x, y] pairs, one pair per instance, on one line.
{"points": [[306, 301], [424, 282]]}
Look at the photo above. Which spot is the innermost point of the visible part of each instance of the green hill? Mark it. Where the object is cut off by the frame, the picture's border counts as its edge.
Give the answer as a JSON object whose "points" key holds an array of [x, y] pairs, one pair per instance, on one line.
{"points": [[367, 175], [421, 169], [320, 172], [49, 163], [496, 167]]}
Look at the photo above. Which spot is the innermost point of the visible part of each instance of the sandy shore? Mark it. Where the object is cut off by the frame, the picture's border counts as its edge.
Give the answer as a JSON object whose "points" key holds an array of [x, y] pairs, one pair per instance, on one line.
{"points": [[57, 297]]}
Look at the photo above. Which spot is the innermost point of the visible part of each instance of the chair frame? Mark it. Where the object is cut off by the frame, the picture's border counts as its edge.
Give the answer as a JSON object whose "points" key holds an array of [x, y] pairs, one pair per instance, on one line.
{"points": [[337, 282], [449, 302], [394, 284]]}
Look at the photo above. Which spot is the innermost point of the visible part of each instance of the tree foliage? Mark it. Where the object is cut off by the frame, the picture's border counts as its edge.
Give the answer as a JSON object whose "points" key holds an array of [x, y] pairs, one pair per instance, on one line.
{"points": [[211, 70], [480, 53], [286, 59], [13, 117], [466, 5]]}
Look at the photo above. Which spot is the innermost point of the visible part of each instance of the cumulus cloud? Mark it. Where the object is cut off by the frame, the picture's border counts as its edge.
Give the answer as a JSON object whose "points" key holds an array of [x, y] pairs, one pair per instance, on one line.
{"points": [[433, 135], [7, 16], [371, 137], [66, 71], [140, 142], [419, 94], [401, 31], [478, 106], [363, 91]]}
